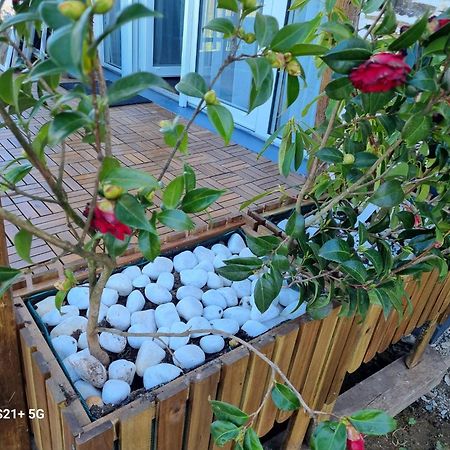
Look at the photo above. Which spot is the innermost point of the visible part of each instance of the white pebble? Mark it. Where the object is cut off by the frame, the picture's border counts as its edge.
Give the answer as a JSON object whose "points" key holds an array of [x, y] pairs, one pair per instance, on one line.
{"points": [[109, 296], [254, 328], [230, 296], [122, 369], [46, 305], [148, 355], [246, 253], [135, 301], [158, 266], [213, 312], [70, 326], [213, 297], [247, 302], [136, 342], [132, 272], [82, 341], [166, 315], [88, 368], [189, 307], [86, 390], [177, 342], [242, 288], [102, 312], [293, 310], [146, 317], [163, 341], [141, 281], [189, 356], [112, 342], [212, 344], [236, 244], [206, 265], [69, 311], [225, 281], [271, 312], [166, 280], [115, 392], [221, 250], [237, 313], [52, 318], [214, 281], [79, 297], [230, 326], [157, 294], [160, 374], [194, 277], [199, 323], [184, 260], [65, 346], [121, 283], [118, 317], [204, 253], [189, 291], [288, 296], [218, 262]]}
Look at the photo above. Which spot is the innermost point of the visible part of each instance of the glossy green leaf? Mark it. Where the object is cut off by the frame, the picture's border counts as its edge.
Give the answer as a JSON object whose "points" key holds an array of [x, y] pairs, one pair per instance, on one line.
{"points": [[173, 192], [108, 164], [16, 19], [235, 272], [260, 68], [52, 16], [223, 122], [295, 225], [364, 160], [329, 436], [266, 27], [338, 30], [175, 134], [16, 174], [190, 179], [286, 156], [8, 276], [224, 431], [131, 85], [425, 80], [193, 85], [229, 413], [59, 299], [22, 242], [330, 155], [59, 48], [410, 36], [43, 69], [64, 124], [130, 212], [389, 23], [284, 398], [128, 178], [293, 90], [293, 34], [339, 89], [348, 54], [308, 50], [251, 440], [78, 37], [199, 199], [375, 259], [355, 269], [176, 219], [265, 292], [230, 5], [221, 25], [372, 5], [388, 195], [262, 245], [116, 247], [149, 244], [373, 422], [260, 96], [376, 101], [336, 250]]}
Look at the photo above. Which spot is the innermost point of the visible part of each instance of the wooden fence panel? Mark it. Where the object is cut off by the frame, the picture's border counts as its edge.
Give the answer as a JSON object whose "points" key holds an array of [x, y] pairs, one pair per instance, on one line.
{"points": [[136, 426], [99, 438]]}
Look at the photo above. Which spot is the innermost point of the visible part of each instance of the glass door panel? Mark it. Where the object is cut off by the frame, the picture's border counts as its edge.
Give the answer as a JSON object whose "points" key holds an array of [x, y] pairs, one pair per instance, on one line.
{"points": [[112, 45]]}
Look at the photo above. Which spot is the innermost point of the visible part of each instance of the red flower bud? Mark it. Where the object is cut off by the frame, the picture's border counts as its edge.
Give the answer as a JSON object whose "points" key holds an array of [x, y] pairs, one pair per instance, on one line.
{"points": [[355, 440], [105, 221], [381, 73]]}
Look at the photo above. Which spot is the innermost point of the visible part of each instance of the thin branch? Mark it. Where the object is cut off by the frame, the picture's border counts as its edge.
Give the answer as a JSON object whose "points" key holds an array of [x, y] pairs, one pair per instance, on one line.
{"points": [[375, 22]]}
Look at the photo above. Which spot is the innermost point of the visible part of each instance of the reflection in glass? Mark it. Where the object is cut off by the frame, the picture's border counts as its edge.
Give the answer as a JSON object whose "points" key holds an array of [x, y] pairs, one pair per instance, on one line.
{"points": [[113, 43]]}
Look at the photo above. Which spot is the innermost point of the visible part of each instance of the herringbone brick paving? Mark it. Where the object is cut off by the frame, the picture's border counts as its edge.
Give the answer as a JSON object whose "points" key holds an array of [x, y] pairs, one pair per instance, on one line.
{"points": [[137, 142]]}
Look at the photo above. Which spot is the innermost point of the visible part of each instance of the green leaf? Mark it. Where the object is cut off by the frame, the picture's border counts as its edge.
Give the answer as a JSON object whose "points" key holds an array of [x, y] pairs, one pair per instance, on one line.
{"points": [[17, 173], [375, 101], [22, 242], [52, 16], [131, 85], [330, 155], [193, 85], [230, 5], [108, 164], [295, 226], [221, 25], [388, 195], [336, 250], [130, 212], [389, 23], [262, 245], [348, 54], [17, 19], [176, 219], [149, 244], [355, 269], [190, 179], [59, 299], [373, 422], [260, 96], [265, 292], [284, 398], [133, 12], [293, 89], [199, 199], [329, 436], [291, 35], [375, 259], [299, 150], [372, 5], [128, 178], [116, 247], [43, 69], [260, 68], [338, 30], [8, 276], [173, 192], [425, 80], [223, 432], [364, 160], [251, 440], [308, 50], [78, 36], [410, 36], [228, 413], [339, 89], [235, 272], [7, 86], [59, 48], [173, 133], [286, 155], [223, 122], [266, 27], [64, 124]]}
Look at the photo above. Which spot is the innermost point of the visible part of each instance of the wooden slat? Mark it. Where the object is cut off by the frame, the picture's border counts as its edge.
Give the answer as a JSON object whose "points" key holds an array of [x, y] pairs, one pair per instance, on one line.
{"points": [[71, 428], [435, 297], [381, 328], [231, 384], [438, 306], [170, 416], [282, 355], [366, 331], [56, 401], [302, 355], [299, 422], [136, 425], [41, 373], [203, 386], [99, 438]]}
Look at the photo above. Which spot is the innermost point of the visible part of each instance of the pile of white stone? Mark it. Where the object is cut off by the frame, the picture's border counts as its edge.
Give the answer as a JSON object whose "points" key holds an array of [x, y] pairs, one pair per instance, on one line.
{"points": [[205, 300]]}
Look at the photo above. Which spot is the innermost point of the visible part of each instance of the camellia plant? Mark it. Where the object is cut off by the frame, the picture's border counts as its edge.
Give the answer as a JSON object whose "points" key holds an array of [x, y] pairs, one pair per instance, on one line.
{"points": [[373, 208]]}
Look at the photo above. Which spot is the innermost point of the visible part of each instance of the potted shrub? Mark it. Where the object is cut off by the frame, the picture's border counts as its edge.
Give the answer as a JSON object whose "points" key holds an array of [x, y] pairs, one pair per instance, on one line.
{"points": [[384, 142]]}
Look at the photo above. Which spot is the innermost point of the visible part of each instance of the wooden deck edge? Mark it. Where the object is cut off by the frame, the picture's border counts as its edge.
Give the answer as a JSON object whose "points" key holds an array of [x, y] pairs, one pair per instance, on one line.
{"points": [[395, 387]]}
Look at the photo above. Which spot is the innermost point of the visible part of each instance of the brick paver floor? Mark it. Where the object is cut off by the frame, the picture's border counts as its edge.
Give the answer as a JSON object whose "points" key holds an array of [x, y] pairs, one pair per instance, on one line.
{"points": [[137, 142]]}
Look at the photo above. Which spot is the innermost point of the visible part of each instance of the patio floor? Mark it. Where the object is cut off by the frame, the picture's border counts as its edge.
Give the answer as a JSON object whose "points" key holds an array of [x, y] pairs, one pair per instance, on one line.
{"points": [[137, 142]]}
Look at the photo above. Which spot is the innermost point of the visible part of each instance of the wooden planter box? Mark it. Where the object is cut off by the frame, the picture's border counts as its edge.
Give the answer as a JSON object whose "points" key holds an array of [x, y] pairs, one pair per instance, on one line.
{"points": [[315, 355]]}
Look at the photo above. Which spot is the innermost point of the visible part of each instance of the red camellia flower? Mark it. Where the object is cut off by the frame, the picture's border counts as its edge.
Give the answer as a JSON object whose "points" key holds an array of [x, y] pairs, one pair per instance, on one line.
{"points": [[381, 73], [355, 440], [105, 221], [443, 22]]}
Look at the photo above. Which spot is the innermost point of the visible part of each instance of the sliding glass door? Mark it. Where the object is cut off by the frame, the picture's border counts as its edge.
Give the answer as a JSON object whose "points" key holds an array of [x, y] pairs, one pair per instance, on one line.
{"points": [[112, 45]]}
